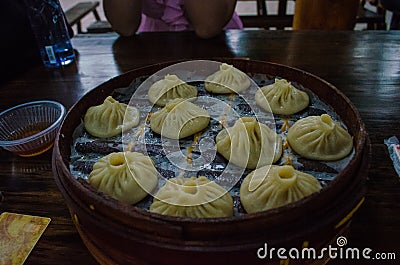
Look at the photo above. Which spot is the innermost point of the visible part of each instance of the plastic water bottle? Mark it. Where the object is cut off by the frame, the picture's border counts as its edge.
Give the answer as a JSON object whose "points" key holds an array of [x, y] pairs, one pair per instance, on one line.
{"points": [[49, 27]]}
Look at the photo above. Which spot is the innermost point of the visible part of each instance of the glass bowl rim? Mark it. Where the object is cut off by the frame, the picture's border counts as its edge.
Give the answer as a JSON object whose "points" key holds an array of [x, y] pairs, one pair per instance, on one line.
{"points": [[54, 124]]}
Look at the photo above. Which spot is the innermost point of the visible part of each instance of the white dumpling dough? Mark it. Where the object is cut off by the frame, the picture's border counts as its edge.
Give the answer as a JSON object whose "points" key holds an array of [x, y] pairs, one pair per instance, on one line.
{"points": [[281, 97], [179, 119], [276, 187], [320, 138], [107, 119], [249, 139], [169, 88], [227, 80], [192, 197], [125, 176]]}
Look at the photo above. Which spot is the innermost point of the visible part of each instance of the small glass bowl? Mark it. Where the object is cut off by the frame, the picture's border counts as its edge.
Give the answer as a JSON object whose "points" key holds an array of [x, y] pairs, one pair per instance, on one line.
{"points": [[29, 129]]}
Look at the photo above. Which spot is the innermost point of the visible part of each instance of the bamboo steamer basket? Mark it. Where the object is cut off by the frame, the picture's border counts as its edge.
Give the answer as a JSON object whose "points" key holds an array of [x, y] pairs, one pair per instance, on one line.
{"points": [[117, 233]]}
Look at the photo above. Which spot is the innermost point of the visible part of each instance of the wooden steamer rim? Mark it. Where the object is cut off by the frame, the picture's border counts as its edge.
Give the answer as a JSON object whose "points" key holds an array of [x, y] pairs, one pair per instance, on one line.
{"points": [[324, 209]]}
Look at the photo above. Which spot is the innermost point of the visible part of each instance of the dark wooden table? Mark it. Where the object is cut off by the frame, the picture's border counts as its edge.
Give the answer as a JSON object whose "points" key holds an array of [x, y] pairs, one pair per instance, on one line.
{"points": [[364, 65]]}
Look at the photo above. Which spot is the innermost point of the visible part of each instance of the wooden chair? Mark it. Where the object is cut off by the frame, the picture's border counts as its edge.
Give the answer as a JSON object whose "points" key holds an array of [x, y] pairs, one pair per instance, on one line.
{"points": [[75, 14], [264, 20], [374, 20]]}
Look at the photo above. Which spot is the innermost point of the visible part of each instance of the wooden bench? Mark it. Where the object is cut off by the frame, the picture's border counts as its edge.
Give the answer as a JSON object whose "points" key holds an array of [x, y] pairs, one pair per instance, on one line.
{"points": [[99, 27], [76, 13]]}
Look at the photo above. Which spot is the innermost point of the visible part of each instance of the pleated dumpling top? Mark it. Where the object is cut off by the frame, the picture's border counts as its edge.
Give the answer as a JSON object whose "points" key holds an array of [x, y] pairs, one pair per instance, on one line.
{"points": [[179, 119], [281, 97], [170, 88], [249, 144], [275, 186], [227, 80], [126, 176], [320, 138], [196, 197], [107, 119]]}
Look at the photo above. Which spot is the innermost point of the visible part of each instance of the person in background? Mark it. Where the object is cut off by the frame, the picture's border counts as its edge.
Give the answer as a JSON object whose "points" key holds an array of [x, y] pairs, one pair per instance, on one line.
{"points": [[207, 18]]}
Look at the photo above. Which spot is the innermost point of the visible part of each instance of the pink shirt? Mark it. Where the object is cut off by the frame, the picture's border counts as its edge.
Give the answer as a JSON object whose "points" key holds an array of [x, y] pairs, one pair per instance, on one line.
{"points": [[168, 15]]}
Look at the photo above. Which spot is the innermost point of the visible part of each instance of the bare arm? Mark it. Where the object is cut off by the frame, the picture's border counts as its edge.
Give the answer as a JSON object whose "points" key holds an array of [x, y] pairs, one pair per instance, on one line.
{"points": [[209, 17], [123, 15]]}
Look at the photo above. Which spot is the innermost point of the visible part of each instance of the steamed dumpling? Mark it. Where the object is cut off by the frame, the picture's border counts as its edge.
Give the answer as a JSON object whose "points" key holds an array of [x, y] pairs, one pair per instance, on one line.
{"points": [[192, 197], [320, 138], [275, 186], [169, 88], [227, 80], [179, 119], [248, 138], [125, 176], [281, 98], [107, 119]]}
